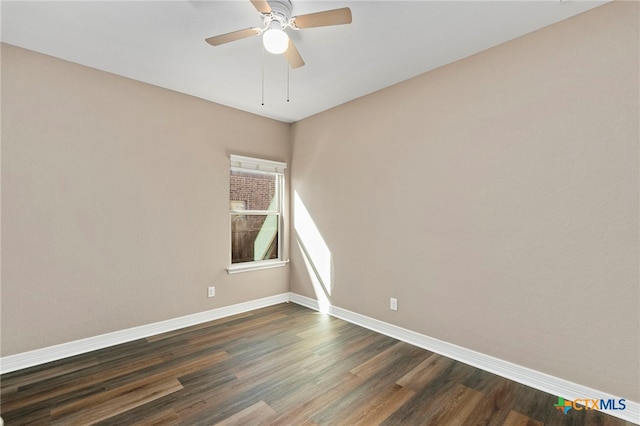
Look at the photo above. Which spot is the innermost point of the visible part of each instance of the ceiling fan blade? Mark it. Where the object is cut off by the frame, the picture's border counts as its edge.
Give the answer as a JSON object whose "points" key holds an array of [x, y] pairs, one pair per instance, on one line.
{"points": [[323, 19], [262, 6], [232, 36], [293, 56]]}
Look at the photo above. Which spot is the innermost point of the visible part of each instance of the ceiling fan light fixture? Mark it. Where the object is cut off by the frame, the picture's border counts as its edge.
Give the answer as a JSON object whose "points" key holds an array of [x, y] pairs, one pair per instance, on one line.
{"points": [[275, 41]]}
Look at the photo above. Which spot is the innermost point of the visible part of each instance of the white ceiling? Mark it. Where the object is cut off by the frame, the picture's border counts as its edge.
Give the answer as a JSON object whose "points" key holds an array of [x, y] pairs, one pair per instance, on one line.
{"points": [[162, 43]]}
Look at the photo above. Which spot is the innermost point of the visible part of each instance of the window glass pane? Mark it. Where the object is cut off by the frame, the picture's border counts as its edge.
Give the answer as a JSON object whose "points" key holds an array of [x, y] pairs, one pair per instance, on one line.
{"points": [[254, 190], [254, 237]]}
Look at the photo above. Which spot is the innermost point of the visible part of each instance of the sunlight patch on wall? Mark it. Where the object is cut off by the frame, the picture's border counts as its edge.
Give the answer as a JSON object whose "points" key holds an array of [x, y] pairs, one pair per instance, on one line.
{"points": [[315, 252]]}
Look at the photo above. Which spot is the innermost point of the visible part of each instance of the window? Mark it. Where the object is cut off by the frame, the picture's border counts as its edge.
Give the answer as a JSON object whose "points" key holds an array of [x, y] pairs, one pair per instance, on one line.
{"points": [[256, 199]]}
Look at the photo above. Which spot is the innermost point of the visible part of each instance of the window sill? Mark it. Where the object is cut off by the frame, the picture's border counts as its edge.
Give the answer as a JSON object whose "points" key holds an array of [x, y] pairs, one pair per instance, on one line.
{"points": [[255, 266]]}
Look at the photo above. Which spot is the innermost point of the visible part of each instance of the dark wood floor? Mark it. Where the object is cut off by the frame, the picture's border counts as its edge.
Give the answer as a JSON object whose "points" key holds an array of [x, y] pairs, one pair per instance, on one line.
{"points": [[281, 365]]}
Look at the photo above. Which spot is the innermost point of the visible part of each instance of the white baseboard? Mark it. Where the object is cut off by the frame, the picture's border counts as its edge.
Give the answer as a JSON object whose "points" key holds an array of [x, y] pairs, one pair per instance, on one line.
{"points": [[526, 376], [535, 379], [77, 347]]}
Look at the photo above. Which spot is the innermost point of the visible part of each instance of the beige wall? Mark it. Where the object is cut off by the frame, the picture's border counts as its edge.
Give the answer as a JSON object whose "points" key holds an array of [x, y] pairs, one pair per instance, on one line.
{"points": [[496, 198], [115, 202]]}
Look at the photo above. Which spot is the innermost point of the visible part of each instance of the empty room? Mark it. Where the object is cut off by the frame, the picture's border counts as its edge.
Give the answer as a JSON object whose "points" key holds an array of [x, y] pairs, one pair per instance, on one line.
{"points": [[298, 212]]}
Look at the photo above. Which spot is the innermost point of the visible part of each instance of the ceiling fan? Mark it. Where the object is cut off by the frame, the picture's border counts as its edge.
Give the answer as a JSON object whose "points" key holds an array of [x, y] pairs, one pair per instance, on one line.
{"points": [[276, 16]]}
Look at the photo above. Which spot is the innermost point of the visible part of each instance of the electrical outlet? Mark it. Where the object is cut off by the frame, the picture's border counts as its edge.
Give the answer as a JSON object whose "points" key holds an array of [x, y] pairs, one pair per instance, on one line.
{"points": [[393, 304], [211, 291]]}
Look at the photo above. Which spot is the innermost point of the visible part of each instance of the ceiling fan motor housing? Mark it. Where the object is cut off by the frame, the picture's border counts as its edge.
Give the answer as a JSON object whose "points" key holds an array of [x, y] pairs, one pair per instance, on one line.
{"points": [[280, 11], [276, 17]]}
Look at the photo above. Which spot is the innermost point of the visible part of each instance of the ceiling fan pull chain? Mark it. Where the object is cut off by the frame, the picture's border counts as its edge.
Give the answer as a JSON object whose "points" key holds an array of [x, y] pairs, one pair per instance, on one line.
{"points": [[287, 82], [262, 76]]}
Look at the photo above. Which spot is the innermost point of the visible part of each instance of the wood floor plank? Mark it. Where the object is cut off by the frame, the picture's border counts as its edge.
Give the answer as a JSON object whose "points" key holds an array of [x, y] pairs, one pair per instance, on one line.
{"points": [[251, 325], [347, 355], [39, 413], [150, 414], [460, 403], [268, 363], [314, 398], [10, 384], [425, 372], [379, 408], [382, 360], [260, 410], [429, 401], [377, 380], [53, 390], [164, 418], [517, 419], [116, 401], [493, 409], [280, 365]]}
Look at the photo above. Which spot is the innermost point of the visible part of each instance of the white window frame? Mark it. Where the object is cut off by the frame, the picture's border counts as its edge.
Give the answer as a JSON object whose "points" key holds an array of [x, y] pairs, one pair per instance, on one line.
{"points": [[250, 164]]}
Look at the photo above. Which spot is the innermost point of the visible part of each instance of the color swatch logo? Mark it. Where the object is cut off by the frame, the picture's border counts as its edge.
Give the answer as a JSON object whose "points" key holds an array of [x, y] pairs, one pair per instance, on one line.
{"points": [[565, 405]]}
